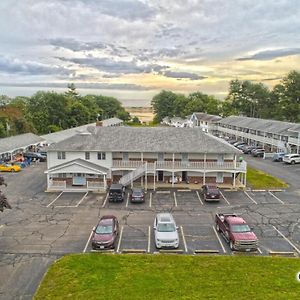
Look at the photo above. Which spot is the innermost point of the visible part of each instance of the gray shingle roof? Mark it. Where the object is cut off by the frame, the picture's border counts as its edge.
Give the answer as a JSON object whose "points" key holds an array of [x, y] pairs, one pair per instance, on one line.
{"points": [[145, 139], [271, 126], [12, 143], [111, 122], [206, 117], [61, 135]]}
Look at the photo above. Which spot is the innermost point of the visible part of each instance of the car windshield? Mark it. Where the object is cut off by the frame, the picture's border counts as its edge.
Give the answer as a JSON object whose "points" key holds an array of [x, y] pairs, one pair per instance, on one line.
{"points": [[104, 229], [166, 227], [240, 228], [137, 194]]}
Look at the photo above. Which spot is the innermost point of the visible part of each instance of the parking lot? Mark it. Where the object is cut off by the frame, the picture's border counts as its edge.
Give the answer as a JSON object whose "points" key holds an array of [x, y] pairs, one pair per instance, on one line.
{"points": [[43, 226]]}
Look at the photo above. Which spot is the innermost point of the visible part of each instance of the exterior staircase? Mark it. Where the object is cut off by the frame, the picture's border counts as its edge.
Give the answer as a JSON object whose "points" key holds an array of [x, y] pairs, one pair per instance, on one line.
{"points": [[137, 173]]}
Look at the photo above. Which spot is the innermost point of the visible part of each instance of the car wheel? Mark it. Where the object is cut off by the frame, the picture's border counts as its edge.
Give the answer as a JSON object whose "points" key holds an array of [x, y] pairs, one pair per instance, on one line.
{"points": [[218, 227], [231, 245], [292, 162]]}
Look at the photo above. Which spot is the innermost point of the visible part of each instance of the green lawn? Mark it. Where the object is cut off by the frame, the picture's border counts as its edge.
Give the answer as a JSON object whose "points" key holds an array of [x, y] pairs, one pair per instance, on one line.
{"points": [[96, 276], [257, 179]]}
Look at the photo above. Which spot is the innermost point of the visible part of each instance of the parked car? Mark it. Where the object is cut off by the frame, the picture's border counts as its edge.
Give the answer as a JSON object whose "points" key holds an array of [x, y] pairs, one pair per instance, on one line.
{"points": [[116, 193], [9, 168], [211, 193], [236, 232], [232, 141], [278, 156], [242, 146], [291, 159], [105, 233], [165, 231], [248, 149], [35, 155], [137, 195], [238, 143], [258, 152]]}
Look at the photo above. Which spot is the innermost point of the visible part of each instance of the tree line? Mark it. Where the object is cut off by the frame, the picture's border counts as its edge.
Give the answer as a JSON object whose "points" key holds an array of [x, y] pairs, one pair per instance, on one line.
{"points": [[46, 112], [245, 98]]}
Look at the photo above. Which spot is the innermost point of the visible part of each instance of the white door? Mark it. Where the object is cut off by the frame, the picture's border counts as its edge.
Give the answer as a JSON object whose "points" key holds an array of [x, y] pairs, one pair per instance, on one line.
{"points": [[220, 177]]}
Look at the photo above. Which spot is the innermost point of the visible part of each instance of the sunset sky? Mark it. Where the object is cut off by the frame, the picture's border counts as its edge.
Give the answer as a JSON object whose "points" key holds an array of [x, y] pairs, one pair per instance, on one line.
{"points": [[133, 49]]}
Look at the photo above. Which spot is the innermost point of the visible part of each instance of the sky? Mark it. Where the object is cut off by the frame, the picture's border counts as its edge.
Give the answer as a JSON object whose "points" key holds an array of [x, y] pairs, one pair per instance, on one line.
{"points": [[132, 49]]}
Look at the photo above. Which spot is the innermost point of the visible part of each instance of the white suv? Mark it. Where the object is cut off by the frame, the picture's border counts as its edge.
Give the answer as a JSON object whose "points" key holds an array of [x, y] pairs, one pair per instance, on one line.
{"points": [[291, 159], [165, 231]]}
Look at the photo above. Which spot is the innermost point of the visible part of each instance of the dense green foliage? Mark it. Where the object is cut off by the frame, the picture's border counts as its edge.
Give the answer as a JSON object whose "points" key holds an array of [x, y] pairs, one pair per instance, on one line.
{"points": [[244, 98], [46, 112], [96, 276]]}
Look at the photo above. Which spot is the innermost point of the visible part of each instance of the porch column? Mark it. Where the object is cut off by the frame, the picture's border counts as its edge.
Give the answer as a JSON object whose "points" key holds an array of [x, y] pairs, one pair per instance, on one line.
{"points": [[203, 180], [245, 179], [48, 180], [234, 179], [146, 179], [104, 181], [298, 142], [142, 160], [154, 173], [173, 158]]}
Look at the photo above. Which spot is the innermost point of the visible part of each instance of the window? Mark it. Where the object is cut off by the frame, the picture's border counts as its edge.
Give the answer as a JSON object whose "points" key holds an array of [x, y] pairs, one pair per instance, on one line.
{"points": [[101, 155], [87, 155], [160, 156], [61, 155]]}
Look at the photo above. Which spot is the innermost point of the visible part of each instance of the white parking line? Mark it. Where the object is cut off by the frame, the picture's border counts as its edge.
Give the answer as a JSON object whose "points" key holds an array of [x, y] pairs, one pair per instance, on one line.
{"points": [[223, 248], [250, 197], [199, 197], [82, 198], [224, 198], [150, 200], [175, 199], [120, 238], [275, 197], [149, 238], [105, 200], [183, 238], [88, 241], [54, 199], [259, 250], [127, 201], [298, 251]]}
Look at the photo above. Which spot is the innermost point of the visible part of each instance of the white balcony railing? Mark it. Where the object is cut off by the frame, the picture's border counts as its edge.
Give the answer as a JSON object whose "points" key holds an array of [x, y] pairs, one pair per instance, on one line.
{"points": [[58, 184], [182, 165]]}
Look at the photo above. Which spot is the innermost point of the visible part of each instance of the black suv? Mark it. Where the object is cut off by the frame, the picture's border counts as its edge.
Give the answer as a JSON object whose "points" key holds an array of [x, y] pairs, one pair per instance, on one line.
{"points": [[116, 193]]}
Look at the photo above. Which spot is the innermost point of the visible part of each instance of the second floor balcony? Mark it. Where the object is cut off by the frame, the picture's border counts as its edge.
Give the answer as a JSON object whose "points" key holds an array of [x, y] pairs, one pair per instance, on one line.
{"points": [[181, 165]]}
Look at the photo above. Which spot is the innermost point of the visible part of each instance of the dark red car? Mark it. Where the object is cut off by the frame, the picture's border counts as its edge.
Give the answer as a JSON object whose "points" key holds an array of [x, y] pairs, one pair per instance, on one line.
{"points": [[105, 233], [211, 193], [137, 195]]}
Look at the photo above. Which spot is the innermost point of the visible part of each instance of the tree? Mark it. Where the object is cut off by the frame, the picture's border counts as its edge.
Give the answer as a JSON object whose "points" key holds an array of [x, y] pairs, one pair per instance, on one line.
{"points": [[163, 105], [72, 93], [3, 200]]}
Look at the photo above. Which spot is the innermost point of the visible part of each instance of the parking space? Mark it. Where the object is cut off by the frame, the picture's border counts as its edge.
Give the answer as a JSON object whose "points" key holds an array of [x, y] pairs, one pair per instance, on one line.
{"points": [[163, 200], [264, 197], [237, 198], [203, 239], [68, 199], [188, 199], [273, 241], [134, 238], [288, 197], [140, 206]]}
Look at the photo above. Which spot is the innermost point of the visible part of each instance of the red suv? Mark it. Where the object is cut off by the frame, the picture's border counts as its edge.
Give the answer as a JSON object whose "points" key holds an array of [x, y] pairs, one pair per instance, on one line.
{"points": [[211, 193], [105, 233]]}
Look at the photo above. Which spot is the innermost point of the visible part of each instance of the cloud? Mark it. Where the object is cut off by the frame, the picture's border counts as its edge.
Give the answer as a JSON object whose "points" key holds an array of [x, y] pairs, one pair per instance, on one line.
{"points": [[271, 54], [16, 66], [116, 67], [76, 45], [183, 75], [80, 85]]}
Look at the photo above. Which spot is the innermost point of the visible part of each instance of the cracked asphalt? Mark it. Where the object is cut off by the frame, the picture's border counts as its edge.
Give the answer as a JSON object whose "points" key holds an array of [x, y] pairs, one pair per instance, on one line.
{"points": [[32, 235]]}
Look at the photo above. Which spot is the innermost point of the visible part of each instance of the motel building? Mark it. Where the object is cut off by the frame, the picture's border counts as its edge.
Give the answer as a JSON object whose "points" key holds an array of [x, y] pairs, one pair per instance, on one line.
{"points": [[142, 156]]}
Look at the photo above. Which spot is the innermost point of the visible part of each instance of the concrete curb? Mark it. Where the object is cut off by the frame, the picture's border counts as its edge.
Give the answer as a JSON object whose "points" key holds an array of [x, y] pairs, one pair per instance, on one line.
{"points": [[282, 253], [132, 251], [171, 251], [206, 251], [108, 251]]}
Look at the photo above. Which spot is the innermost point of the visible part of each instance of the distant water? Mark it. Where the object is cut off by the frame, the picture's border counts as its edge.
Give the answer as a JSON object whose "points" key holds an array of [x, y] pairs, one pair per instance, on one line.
{"points": [[135, 102]]}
